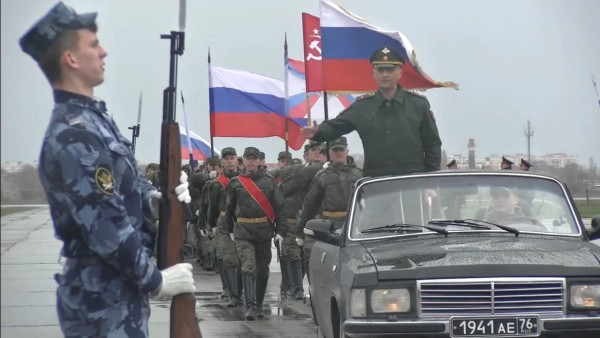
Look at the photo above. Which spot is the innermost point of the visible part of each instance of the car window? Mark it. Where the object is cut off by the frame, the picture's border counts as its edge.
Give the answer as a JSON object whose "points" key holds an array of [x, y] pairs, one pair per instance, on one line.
{"points": [[529, 204]]}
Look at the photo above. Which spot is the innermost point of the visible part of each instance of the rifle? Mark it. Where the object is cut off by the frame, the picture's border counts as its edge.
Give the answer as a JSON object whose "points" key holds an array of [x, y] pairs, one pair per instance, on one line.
{"points": [[135, 130], [183, 322]]}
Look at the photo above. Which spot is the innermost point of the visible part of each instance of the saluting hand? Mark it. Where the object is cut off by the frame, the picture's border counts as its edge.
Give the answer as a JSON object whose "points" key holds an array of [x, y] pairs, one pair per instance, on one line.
{"points": [[310, 131]]}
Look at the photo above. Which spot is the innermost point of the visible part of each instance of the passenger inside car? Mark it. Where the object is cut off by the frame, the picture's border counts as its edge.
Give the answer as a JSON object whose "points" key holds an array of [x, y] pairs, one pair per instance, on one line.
{"points": [[504, 205]]}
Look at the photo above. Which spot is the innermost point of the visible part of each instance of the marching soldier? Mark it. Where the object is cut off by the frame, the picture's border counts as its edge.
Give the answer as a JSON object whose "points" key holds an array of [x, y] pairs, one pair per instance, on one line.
{"points": [[329, 193], [254, 212], [524, 165], [217, 198]]}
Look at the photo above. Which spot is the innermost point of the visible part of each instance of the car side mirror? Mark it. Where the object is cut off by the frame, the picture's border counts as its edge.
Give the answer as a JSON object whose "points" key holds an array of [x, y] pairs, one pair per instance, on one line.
{"points": [[322, 230], [594, 232]]}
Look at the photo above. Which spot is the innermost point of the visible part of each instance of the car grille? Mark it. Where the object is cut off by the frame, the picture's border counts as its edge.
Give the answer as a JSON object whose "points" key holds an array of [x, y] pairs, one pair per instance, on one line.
{"points": [[480, 296]]}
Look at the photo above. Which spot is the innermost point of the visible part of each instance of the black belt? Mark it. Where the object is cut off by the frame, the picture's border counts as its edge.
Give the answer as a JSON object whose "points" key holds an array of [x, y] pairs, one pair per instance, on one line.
{"points": [[84, 261]]}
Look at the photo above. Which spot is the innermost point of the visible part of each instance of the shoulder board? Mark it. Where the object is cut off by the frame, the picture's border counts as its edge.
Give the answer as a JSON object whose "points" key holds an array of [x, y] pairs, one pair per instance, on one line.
{"points": [[416, 94], [366, 96], [268, 174]]}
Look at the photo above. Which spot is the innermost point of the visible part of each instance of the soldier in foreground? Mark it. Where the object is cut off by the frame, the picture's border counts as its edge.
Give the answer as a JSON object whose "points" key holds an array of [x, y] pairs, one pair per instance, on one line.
{"points": [[329, 193], [254, 213], [100, 203], [217, 197], [397, 127]]}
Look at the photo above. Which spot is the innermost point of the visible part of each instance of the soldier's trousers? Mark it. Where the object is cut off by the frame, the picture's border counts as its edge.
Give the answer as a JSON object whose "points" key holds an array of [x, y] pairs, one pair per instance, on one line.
{"points": [[227, 248], [255, 256], [97, 301], [289, 249]]}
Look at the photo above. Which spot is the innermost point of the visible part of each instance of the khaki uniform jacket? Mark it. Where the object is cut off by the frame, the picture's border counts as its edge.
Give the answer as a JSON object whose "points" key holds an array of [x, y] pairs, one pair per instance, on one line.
{"points": [[241, 204], [399, 136]]}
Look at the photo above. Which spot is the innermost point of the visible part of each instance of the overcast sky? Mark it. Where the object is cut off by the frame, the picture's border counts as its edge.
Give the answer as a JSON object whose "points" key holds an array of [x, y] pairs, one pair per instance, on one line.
{"points": [[515, 60]]}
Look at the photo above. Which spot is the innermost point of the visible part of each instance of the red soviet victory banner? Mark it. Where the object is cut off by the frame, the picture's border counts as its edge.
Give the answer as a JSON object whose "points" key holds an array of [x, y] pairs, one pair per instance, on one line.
{"points": [[311, 31]]}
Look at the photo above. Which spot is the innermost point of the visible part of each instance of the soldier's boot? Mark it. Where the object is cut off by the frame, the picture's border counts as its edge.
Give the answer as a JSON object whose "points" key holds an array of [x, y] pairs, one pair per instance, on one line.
{"points": [[296, 269], [239, 282], [226, 293], [249, 281], [285, 285], [231, 276], [286, 273], [261, 289]]}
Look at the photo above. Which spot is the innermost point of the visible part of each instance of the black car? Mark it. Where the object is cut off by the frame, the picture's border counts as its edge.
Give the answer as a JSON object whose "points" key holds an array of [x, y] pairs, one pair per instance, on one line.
{"points": [[456, 254]]}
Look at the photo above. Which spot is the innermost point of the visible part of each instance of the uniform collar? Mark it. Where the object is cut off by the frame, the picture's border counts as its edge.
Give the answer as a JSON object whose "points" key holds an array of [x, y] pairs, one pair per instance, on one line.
{"points": [[61, 96], [398, 96]]}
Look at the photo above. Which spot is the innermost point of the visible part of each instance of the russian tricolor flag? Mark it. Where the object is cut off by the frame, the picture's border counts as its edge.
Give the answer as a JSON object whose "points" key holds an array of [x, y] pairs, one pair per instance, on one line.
{"points": [[349, 41], [244, 104], [200, 148], [297, 96]]}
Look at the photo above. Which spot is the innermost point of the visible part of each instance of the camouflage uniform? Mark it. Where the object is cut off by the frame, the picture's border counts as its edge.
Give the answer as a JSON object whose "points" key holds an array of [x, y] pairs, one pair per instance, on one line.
{"points": [[253, 231], [96, 196], [327, 198]]}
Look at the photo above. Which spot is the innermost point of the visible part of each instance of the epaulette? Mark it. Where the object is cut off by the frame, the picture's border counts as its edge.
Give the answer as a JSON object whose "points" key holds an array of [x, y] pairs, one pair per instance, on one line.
{"points": [[366, 96], [416, 94], [268, 174]]}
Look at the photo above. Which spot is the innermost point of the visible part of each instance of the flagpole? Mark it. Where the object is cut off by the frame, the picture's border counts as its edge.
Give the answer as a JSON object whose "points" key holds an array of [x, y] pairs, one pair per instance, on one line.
{"points": [[596, 89], [326, 109], [286, 86], [187, 132], [308, 118], [212, 147]]}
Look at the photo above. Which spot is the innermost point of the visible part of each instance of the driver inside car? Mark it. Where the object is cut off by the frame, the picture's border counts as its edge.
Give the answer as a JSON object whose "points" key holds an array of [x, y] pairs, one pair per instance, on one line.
{"points": [[504, 206]]}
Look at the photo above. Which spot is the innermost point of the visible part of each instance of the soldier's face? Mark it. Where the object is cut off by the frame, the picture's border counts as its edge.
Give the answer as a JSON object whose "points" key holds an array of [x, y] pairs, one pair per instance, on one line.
{"points": [[505, 203], [88, 58], [251, 163], [387, 77], [229, 162], [338, 155], [282, 162]]}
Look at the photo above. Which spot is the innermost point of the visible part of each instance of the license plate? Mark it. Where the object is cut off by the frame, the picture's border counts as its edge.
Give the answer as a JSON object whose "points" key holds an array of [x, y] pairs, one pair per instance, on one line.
{"points": [[496, 326]]}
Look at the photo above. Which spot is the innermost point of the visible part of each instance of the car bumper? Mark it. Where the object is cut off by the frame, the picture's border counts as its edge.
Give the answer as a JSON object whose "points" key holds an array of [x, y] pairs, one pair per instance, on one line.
{"points": [[550, 327]]}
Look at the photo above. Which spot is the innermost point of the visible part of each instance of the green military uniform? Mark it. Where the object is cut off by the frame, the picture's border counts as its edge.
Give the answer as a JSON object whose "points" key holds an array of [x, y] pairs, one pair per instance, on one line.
{"points": [[328, 196], [253, 231], [399, 135], [217, 198]]}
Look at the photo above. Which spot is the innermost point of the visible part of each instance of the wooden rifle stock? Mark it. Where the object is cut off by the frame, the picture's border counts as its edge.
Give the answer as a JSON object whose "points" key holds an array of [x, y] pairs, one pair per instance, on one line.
{"points": [[183, 322]]}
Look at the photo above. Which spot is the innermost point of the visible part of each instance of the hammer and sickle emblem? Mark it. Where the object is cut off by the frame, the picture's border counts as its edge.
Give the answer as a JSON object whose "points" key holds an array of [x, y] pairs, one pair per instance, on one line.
{"points": [[314, 45]]}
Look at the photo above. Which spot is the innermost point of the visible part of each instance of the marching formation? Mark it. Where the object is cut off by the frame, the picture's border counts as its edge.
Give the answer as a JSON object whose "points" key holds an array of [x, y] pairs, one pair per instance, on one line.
{"points": [[241, 209]]}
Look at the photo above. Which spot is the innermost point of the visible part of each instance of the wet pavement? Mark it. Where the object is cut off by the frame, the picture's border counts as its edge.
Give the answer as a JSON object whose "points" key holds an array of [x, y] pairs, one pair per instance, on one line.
{"points": [[30, 259]]}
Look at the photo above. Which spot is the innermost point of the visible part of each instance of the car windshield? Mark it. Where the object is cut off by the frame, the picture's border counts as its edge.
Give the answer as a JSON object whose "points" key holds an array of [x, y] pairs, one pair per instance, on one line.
{"points": [[461, 202]]}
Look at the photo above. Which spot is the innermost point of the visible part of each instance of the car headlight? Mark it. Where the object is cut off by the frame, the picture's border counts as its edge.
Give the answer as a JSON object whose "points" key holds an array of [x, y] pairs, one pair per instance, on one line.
{"points": [[358, 303], [585, 296], [390, 300]]}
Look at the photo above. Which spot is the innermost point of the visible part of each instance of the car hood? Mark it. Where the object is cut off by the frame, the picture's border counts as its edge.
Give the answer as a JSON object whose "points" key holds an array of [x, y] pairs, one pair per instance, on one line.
{"points": [[483, 255]]}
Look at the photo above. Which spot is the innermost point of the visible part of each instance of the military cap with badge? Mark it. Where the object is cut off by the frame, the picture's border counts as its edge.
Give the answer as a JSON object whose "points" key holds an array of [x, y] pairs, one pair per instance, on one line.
{"points": [[452, 165], [386, 57], [506, 164], [524, 165], [284, 154]]}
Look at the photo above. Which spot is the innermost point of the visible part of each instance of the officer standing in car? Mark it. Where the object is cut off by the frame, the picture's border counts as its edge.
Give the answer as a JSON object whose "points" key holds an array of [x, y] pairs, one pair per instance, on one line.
{"points": [[397, 127]]}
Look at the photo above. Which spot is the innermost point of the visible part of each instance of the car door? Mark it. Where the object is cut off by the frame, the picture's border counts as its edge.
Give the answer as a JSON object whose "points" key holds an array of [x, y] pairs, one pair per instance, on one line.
{"points": [[323, 284]]}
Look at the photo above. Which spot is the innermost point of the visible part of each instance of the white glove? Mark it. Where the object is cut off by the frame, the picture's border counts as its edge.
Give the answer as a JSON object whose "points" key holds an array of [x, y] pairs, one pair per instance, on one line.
{"points": [[154, 197], [212, 174], [182, 192], [299, 241], [203, 233], [326, 165], [232, 238], [175, 280], [278, 240]]}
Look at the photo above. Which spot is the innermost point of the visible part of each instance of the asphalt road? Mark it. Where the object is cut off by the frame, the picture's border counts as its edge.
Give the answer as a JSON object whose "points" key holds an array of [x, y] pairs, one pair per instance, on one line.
{"points": [[30, 259]]}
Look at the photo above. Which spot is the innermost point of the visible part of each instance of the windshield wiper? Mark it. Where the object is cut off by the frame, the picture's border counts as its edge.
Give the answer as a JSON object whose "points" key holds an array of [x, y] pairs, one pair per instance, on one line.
{"points": [[503, 227], [404, 226], [458, 222]]}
